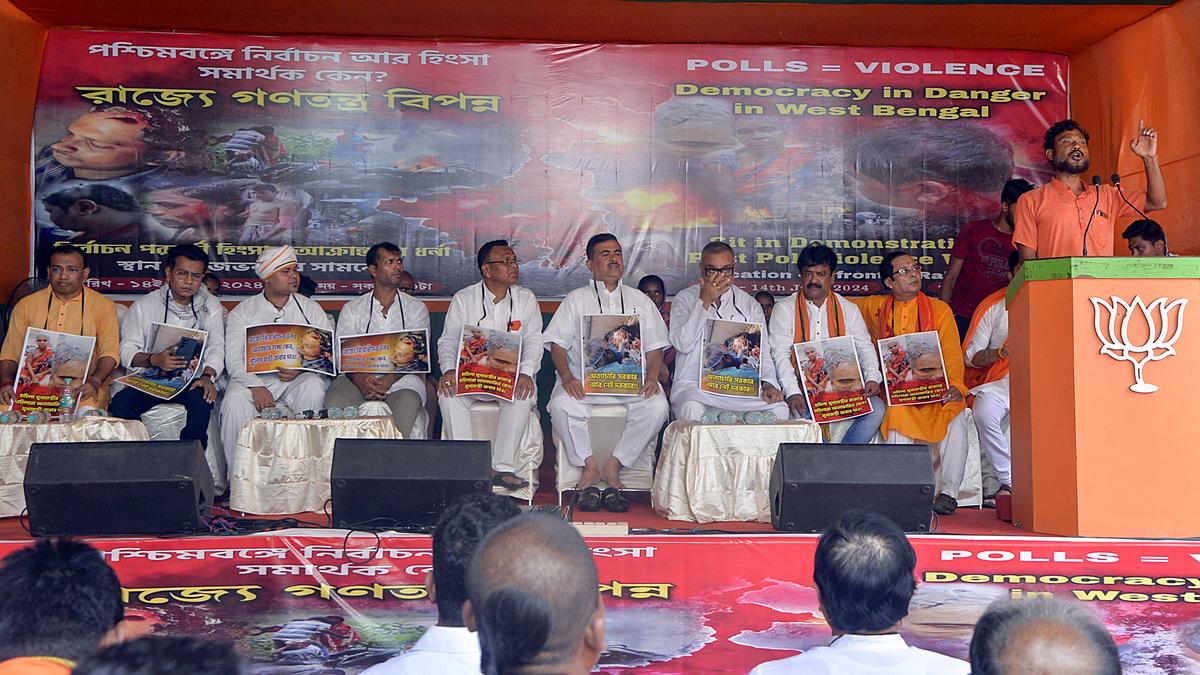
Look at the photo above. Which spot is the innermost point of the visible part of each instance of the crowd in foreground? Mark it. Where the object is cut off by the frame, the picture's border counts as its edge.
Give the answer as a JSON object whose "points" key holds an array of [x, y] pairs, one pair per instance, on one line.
{"points": [[518, 593]]}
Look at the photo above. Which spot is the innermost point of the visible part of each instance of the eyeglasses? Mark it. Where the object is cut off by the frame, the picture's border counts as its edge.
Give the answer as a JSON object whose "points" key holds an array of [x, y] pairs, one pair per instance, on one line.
{"points": [[184, 275], [905, 271], [503, 261], [722, 271]]}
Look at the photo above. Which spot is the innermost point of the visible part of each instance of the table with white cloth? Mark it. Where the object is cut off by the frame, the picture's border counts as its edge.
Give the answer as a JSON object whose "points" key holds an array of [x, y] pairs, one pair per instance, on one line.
{"points": [[721, 472], [283, 466], [15, 440]]}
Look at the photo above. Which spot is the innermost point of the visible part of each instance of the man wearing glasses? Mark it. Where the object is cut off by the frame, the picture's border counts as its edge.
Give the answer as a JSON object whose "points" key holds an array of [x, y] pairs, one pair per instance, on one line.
{"points": [[498, 303], [905, 309], [717, 297], [182, 301]]}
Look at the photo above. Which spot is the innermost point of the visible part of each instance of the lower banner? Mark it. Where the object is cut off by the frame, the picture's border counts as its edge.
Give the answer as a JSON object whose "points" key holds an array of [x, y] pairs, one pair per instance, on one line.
{"points": [[699, 604]]}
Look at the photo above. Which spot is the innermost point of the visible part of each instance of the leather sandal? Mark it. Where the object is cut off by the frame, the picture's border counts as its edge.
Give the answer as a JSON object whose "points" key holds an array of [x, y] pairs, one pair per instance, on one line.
{"points": [[615, 501], [589, 499], [499, 481]]}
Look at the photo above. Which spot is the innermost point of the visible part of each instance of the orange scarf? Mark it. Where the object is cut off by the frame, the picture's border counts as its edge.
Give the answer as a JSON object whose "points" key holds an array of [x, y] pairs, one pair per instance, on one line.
{"points": [[833, 315], [924, 316], [973, 377]]}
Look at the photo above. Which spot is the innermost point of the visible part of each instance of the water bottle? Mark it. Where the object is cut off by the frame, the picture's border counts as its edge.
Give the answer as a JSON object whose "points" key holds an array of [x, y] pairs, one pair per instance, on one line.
{"points": [[349, 412], [769, 417], [728, 417], [710, 417], [66, 403], [38, 417], [10, 417], [754, 417]]}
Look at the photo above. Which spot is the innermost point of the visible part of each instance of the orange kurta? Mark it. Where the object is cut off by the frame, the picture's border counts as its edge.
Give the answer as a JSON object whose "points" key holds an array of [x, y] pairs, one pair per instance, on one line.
{"points": [[973, 377], [928, 421]]}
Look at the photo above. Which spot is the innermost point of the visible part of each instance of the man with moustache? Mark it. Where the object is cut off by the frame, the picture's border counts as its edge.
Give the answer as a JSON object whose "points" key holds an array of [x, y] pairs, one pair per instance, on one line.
{"points": [[716, 297], [384, 310], [906, 309], [1053, 221], [250, 393], [498, 303], [817, 313], [570, 408], [178, 302]]}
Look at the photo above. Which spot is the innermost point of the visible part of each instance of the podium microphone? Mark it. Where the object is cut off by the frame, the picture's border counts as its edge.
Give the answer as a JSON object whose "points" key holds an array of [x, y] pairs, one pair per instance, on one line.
{"points": [[1116, 181], [1095, 184]]}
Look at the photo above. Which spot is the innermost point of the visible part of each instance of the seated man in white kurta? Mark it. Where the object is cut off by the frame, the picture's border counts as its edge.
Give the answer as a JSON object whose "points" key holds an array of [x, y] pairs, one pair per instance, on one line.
{"points": [[251, 393], [570, 408], [717, 297], [384, 310], [497, 303]]}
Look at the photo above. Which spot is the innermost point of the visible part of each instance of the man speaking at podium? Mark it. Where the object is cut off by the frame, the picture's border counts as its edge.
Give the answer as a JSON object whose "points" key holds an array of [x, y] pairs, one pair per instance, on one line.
{"points": [[1069, 217]]}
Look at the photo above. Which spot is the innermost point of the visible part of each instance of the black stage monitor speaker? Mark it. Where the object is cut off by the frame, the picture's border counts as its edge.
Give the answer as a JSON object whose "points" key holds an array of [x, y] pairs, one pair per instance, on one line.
{"points": [[813, 483], [378, 484], [123, 487]]}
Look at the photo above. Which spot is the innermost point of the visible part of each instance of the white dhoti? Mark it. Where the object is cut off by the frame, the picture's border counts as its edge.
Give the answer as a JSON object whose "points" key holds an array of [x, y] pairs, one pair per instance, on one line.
{"points": [[644, 417], [306, 392], [952, 451], [514, 417], [991, 412], [689, 403]]}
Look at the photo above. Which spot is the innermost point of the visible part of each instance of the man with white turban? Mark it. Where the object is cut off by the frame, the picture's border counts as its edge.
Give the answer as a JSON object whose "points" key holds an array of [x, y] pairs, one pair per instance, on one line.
{"points": [[279, 302]]}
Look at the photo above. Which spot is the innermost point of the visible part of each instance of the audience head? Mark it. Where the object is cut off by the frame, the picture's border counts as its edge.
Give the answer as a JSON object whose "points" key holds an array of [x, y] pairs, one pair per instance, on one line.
{"points": [[498, 263], [817, 264], [177, 655], [1013, 189], [534, 598], [1041, 636], [767, 301], [1066, 147], [213, 283], [653, 287], [307, 287], [60, 599], [1145, 238], [1014, 263], [460, 529], [863, 570]]}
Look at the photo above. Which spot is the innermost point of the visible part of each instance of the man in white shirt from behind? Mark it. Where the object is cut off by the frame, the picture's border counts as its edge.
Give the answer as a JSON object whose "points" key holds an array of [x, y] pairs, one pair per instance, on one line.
{"points": [[863, 569], [384, 310], [716, 297], [448, 647], [251, 393], [499, 304]]}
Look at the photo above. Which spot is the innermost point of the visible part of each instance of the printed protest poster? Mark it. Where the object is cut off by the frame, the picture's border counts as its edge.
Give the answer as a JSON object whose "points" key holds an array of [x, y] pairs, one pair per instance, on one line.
{"points": [[832, 379], [403, 351], [298, 346], [913, 369], [732, 352], [488, 360], [188, 344], [612, 354], [49, 360]]}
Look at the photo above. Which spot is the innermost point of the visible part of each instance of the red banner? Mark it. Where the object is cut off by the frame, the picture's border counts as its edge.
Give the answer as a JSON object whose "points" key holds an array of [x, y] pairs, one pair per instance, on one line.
{"points": [[674, 604], [237, 142]]}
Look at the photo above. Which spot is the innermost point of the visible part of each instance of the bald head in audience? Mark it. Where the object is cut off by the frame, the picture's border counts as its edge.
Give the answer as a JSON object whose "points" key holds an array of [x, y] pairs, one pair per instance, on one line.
{"points": [[1042, 636], [534, 599]]}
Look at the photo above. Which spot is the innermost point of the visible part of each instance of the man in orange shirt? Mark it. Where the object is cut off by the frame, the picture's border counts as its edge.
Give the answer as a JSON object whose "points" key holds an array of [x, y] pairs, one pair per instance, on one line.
{"points": [[1068, 216], [61, 602], [906, 309]]}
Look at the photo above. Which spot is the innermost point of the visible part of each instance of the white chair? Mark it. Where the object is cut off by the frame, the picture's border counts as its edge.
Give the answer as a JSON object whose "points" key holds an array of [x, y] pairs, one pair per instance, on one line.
{"points": [[605, 427], [485, 415]]}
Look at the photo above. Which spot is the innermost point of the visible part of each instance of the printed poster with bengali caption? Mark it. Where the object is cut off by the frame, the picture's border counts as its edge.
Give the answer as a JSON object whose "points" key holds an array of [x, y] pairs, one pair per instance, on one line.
{"points": [[188, 344], [297, 346], [397, 352], [49, 361], [488, 362], [832, 379], [612, 358], [914, 371], [732, 358]]}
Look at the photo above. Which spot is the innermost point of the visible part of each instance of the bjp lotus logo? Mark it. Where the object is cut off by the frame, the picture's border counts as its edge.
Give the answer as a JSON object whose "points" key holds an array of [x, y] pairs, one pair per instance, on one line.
{"points": [[1154, 327]]}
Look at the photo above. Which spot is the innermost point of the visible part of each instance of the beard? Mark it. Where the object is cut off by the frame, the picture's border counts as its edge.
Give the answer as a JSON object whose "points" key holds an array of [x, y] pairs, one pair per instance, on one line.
{"points": [[1068, 165]]}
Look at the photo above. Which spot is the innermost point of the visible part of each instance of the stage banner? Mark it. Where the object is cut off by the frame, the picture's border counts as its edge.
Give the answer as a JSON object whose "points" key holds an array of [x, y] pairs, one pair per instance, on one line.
{"points": [[732, 354], [49, 362], [239, 142], [914, 371], [165, 384], [298, 346], [405, 351], [611, 347], [694, 604], [488, 360], [832, 379]]}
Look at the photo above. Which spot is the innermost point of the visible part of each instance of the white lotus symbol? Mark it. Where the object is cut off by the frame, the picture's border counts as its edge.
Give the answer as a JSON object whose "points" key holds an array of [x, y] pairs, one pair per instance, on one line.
{"points": [[1160, 321]]}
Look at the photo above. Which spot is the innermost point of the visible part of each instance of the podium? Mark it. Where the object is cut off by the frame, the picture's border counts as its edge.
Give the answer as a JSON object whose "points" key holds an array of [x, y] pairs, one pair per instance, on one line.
{"points": [[1105, 382]]}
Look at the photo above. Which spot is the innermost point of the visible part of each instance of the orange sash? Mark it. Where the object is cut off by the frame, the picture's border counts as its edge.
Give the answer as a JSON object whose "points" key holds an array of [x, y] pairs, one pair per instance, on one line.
{"points": [[925, 320], [833, 315], [973, 377]]}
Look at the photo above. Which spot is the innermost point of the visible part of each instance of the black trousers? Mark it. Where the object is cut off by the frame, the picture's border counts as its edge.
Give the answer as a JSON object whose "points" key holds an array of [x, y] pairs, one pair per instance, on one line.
{"points": [[131, 404]]}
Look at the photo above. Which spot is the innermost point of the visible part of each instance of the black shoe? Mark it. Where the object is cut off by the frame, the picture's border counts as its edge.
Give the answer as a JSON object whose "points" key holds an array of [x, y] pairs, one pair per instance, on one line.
{"points": [[945, 505], [615, 501], [589, 499], [507, 480]]}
